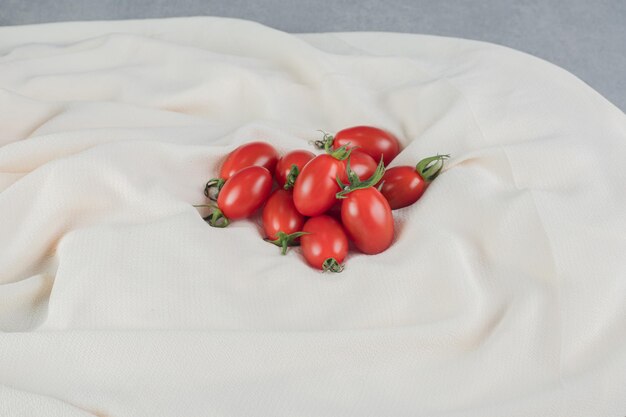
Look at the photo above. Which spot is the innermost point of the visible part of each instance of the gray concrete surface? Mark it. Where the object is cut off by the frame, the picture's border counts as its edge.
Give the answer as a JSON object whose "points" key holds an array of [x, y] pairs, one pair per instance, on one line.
{"points": [[586, 37]]}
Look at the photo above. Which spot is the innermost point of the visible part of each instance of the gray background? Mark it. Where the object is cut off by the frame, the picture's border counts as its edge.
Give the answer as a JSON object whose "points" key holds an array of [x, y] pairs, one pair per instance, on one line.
{"points": [[586, 37]]}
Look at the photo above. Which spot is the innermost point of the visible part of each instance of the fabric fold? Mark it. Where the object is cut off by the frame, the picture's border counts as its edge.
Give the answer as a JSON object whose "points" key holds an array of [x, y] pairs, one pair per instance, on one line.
{"points": [[502, 293]]}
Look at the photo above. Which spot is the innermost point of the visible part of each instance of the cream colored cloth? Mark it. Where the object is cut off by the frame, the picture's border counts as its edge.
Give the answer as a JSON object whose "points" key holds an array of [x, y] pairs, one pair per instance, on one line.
{"points": [[504, 293]]}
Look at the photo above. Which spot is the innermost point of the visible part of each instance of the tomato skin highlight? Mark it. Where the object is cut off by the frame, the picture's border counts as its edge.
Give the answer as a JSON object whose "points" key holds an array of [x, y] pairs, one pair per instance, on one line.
{"points": [[245, 192], [366, 215], [249, 154], [316, 186], [298, 158], [325, 239], [402, 186], [280, 215], [371, 140]]}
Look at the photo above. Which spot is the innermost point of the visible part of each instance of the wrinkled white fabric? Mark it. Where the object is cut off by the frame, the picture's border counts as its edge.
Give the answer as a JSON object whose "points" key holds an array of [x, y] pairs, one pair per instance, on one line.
{"points": [[503, 294]]}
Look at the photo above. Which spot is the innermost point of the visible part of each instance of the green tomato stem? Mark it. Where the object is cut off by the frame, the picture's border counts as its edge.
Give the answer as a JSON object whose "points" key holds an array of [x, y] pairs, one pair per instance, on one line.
{"points": [[285, 240], [214, 183], [217, 219], [291, 177], [342, 153], [355, 182], [326, 142], [331, 265], [429, 168]]}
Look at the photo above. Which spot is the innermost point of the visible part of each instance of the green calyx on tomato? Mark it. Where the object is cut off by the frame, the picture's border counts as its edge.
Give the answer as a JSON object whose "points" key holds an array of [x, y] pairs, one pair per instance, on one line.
{"points": [[341, 153], [331, 265], [355, 182], [213, 187], [430, 168], [291, 177], [215, 218], [285, 240]]}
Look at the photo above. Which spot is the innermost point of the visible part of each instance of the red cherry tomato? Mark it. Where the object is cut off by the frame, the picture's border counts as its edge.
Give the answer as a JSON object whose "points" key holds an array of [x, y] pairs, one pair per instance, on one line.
{"points": [[325, 245], [281, 221], [298, 158], [361, 163], [250, 154], [371, 140], [367, 217], [316, 186], [280, 215], [245, 192], [404, 185]]}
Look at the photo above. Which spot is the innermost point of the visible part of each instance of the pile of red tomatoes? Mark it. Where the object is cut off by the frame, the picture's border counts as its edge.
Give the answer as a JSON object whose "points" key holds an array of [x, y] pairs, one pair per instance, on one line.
{"points": [[321, 202]]}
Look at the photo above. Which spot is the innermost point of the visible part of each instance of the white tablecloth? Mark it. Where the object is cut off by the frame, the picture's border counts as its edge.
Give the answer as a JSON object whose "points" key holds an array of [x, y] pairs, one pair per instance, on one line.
{"points": [[504, 293]]}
